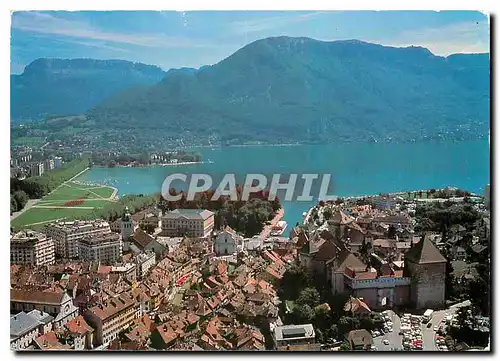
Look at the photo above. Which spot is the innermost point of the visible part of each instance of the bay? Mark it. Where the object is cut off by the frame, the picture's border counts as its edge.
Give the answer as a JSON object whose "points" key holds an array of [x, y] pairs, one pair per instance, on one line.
{"points": [[356, 169]]}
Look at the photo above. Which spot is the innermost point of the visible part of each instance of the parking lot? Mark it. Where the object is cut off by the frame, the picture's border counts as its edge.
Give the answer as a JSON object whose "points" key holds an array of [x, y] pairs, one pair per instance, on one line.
{"points": [[415, 335]]}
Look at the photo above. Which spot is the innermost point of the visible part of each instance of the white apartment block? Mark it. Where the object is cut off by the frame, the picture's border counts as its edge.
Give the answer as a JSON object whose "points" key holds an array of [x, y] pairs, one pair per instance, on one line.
{"points": [[105, 248], [30, 247], [67, 234]]}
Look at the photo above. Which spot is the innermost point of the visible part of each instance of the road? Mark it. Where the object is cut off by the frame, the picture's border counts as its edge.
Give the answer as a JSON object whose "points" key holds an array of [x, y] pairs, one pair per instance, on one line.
{"points": [[428, 334]]}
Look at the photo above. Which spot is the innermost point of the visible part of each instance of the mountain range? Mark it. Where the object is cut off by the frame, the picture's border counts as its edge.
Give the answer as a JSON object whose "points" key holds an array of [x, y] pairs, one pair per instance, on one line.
{"points": [[56, 87], [286, 89]]}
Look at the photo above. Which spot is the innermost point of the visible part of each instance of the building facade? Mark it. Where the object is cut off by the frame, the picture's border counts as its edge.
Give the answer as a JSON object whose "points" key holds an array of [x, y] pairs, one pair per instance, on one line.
{"points": [[105, 248], [112, 317], [227, 242], [67, 234], [188, 222], [144, 261], [29, 247], [57, 304], [36, 169]]}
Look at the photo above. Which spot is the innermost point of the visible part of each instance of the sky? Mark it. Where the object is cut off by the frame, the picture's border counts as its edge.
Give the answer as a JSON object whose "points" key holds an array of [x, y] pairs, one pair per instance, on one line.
{"points": [[192, 39]]}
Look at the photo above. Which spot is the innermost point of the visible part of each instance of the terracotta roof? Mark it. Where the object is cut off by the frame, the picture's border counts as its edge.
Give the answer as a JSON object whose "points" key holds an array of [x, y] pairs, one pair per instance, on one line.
{"points": [[141, 238], [113, 306], [424, 252], [356, 305], [341, 218], [29, 296], [79, 326], [49, 341]]}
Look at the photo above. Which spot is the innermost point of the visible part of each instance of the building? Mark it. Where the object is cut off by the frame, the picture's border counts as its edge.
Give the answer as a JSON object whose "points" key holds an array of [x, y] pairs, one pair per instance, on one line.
{"points": [[57, 304], [58, 162], [36, 169], [227, 242], [426, 267], [359, 340], [30, 247], [111, 317], [67, 234], [79, 334], [197, 223], [126, 228], [144, 262], [23, 331], [49, 164], [293, 335], [106, 248]]}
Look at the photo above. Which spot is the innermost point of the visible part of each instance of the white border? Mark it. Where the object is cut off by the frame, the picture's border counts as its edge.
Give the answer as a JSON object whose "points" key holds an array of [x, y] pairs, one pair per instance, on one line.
{"points": [[486, 6]]}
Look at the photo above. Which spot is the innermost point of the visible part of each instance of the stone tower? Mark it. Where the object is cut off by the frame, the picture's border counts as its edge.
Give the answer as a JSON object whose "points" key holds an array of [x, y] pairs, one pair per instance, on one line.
{"points": [[426, 267], [127, 228]]}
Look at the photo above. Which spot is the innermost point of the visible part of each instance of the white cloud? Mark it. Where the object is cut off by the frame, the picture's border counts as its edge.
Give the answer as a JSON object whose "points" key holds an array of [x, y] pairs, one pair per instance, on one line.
{"points": [[43, 23]]}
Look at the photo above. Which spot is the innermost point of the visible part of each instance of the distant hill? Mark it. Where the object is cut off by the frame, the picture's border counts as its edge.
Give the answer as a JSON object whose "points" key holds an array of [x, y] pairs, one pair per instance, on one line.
{"points": [[303, 90], [50, 87]]}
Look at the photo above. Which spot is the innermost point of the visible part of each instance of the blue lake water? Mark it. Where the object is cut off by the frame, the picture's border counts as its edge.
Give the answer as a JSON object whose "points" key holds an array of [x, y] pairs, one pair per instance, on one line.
{"points": [[356, 169]]}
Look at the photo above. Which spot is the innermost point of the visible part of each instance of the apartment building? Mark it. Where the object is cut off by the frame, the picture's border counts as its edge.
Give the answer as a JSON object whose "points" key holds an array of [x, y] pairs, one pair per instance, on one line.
{"points": [[144, 261], [111, 317], [188, 222], [57, 304], [106, 248], [36, 169], [58, 162], [30, 247], [49, 164], [67, 234]]}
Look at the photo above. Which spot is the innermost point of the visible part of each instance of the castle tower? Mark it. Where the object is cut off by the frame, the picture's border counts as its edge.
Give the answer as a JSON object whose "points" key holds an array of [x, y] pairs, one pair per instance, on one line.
{"points": [[127, 228], [426, 267]]}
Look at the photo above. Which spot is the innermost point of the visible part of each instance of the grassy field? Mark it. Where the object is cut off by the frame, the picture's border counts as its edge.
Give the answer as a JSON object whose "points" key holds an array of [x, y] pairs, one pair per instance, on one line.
{"points": [[70, 201], [71, 190]]}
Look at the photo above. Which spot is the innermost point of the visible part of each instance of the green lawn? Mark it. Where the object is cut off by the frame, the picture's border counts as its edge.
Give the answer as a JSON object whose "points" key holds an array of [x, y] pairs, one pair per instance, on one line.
{"points": [[35, 215], [72, 190], [99, 197]]}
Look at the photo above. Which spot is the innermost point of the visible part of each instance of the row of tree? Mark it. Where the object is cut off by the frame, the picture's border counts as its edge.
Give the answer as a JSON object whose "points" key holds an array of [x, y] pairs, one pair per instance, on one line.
{"points": [[134, 202], [37, 187]]}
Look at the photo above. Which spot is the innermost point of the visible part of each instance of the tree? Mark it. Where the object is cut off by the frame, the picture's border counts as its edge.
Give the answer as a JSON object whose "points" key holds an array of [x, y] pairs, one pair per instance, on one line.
{"points": [[13, 204], [21, 198], [303, 313], [309, 296], [327, 213]]}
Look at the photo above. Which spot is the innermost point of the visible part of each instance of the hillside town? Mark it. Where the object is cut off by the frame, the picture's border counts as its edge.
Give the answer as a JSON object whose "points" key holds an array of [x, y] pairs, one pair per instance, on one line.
{"points": [[374, 273]]}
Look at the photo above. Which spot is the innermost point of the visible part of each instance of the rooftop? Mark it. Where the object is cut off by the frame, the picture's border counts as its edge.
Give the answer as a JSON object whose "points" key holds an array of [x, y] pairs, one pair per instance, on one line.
{"points": [[189, 214], [294, 332], [22, 323]]}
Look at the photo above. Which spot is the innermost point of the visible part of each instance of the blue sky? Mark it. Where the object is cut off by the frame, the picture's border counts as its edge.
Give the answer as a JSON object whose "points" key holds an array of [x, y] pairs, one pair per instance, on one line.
{"points": [[192, 39]]}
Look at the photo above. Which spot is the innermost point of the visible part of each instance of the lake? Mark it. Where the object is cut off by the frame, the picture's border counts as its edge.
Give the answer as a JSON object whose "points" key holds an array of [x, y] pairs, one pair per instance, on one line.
{"points": [[356, 169]]}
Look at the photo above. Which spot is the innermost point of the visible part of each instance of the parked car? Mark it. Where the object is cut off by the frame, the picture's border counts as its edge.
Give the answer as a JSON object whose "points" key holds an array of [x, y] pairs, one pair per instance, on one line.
{"points": [[386, 342], [429, 325]]}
